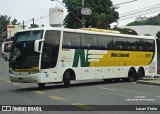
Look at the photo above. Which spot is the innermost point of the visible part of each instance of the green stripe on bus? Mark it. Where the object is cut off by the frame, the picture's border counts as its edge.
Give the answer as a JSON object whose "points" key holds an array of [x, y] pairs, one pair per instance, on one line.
{"points": [[80, 55]]}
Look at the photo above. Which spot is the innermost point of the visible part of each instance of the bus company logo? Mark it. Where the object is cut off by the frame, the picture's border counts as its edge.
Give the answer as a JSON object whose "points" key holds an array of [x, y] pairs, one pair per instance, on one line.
{"points": [[80, 55], [85, 58], [24, 45], [6, 108], [119, 54]]}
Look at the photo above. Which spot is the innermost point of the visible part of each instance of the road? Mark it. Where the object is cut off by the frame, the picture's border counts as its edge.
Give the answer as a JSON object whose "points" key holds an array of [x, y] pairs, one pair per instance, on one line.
{"points": [[81, 94]]}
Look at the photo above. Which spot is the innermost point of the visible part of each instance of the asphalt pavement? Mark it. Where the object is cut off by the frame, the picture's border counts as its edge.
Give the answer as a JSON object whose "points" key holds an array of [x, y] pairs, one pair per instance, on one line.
{"points": [[82, 94], [150, 81]]}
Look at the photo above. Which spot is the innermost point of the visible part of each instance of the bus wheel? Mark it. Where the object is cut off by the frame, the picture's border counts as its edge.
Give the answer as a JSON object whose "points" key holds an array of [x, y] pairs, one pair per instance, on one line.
{"points": [[66, 79], [108, 80], [116, 80], [131, 75], [140, 74], [41, 85]]}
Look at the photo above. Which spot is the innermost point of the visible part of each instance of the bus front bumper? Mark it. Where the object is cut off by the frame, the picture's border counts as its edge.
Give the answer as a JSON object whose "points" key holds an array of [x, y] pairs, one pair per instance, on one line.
{"points": [[35, 78]]}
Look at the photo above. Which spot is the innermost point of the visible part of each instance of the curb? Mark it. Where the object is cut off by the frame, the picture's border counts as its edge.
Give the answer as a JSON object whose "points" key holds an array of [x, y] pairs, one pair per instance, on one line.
{"points": [[154, 82]]}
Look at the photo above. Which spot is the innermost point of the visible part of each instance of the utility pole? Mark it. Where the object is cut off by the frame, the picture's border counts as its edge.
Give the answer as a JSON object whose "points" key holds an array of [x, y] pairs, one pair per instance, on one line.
{"points": [[83, 18], [33, 23], [23, 25]]}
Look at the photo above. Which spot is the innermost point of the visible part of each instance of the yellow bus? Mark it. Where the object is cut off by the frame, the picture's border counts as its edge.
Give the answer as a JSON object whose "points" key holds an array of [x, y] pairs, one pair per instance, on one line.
{"points": [[53, 55]]}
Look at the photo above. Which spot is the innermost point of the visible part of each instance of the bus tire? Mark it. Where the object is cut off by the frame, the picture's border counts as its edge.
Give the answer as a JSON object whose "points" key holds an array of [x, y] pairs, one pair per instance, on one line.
{"points": [[131, 75], [116, 80], [41, 85], [108, 80], [66, 79], [140, 74]]}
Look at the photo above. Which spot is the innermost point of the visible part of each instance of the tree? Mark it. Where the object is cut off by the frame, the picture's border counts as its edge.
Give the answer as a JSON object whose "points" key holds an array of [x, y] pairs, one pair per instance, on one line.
{"points": [[103, 14], [158, 34], [150, 21], [14, 22], [5, 20], [147, 35], [126, 31], [34, 26]]}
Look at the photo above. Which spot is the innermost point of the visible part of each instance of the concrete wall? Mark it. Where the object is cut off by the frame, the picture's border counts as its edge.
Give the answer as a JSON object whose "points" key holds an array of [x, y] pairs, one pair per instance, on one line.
{"points": [[12, 29]]}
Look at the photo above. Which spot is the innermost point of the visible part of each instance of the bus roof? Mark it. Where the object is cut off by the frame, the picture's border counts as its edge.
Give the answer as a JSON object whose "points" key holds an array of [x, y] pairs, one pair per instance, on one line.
{"points": [[92, 31]]}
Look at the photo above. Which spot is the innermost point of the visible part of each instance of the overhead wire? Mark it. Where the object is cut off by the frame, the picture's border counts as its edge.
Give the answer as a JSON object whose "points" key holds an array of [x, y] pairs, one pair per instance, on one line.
{"points": [[132, 14], [47, 15], [140, 12], [146, 8]]}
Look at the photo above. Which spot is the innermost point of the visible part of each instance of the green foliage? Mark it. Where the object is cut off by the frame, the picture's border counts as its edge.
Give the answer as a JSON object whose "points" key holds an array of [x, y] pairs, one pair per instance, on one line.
{"points": [[34, 26], [147, 35], [102, 15], [151, 21], [158, 34], [5, 20], [14, 22], [126, 31]]}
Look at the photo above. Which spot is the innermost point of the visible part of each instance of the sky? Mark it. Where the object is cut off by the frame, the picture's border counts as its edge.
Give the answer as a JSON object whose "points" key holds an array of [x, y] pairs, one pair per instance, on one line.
{"points": [[28, 9]]}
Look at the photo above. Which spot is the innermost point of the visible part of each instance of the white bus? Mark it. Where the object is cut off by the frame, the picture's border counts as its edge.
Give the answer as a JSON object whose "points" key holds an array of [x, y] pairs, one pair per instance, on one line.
{"points": [[53, 55]]}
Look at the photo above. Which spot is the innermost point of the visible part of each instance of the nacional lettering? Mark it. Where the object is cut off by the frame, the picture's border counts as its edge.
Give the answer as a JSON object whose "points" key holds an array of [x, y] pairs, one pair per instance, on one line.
{"points": [[120, 54]]}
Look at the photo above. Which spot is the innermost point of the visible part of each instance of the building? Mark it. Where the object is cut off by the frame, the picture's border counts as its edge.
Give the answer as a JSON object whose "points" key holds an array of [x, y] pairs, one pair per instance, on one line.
{"points": [[10, 31]]}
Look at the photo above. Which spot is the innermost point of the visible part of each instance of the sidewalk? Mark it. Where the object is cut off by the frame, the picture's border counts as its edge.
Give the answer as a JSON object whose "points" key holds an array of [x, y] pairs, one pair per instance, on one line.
{"points": [[149, 81]]}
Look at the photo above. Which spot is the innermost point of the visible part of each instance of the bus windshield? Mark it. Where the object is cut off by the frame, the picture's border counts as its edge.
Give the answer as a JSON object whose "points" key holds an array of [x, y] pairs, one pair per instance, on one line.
{"points": [[22, 54], [29, 36]]}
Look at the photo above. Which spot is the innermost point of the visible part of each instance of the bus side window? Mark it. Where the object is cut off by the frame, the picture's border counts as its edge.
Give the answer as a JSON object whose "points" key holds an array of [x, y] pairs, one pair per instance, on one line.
{"points": [[89, 41], [149, 45], [66, 44], [71, 40], [131, 44], [141, 45], [50, 49], [119, 43], [104, 42]]}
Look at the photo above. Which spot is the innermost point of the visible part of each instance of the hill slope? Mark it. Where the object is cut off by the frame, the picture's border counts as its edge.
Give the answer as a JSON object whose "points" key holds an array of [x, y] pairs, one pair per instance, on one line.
{"points": [[150, 21]]}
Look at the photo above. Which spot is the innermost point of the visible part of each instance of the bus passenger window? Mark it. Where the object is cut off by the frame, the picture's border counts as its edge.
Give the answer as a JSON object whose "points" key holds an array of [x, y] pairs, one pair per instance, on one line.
{"points": [[89, 41], [149, 45], [141, 45], [71, 40], [104, 42], [131, 44], [119, 43]]}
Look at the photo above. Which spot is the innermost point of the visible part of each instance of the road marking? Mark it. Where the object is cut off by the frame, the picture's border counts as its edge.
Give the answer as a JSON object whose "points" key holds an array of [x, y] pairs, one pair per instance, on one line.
{"points": [[108, 89], [83, 106], [57, 98], [39, 92], [157, 96]]}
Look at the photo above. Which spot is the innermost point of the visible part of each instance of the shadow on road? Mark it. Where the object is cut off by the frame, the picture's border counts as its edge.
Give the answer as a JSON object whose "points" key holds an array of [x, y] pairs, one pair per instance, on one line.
{"points": [[79, 84]]}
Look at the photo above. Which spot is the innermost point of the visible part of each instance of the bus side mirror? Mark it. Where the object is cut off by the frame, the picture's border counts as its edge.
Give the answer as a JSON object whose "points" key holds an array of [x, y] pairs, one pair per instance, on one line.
{"points": [[37, 44], [6, 47]]}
